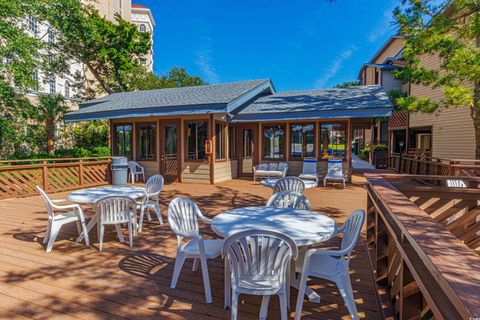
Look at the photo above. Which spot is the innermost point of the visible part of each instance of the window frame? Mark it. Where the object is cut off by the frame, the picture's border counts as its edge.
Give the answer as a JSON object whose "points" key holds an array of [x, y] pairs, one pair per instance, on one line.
{"points": [[142, 27], [345, 129], [67, 89], [137, 140], [52, 83], [284, 145], [303, 156], [32, 24], [114, 139], [232, 142], [185, 133], [223, 141]]}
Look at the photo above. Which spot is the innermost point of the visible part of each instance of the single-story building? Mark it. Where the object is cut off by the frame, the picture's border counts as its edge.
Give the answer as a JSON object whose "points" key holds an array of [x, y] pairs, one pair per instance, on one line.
{"points": [[217, 132]]}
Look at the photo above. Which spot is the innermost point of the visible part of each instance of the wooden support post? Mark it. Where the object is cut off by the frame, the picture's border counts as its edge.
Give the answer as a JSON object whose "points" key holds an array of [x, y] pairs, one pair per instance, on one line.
{"points": [[181, 151], [212, 155], [80, 172], [349, 148], [44, 175]]}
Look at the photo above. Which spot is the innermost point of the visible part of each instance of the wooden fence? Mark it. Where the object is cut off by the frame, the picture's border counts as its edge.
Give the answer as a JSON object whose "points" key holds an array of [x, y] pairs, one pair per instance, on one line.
{"points": [[422, 238], [411, 164], [18, 178]]}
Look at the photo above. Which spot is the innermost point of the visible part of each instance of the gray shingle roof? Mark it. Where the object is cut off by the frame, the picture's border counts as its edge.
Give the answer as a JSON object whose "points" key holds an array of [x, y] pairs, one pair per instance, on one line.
{"points": [[359, 101], [186, 100]]}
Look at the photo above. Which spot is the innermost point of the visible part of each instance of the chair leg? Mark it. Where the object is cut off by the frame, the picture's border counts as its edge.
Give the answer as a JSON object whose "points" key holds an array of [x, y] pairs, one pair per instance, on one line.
{"points": [[195, 265], [85, 233], [159, 214], [130, 233], [47, 233], [149, 217], [228, 289], [206, 279], [179, 260], [54, 230], [264, 307], [234, 308], [345, 287], [283, 306], [101, 232], [301, 295], [142, 214]]}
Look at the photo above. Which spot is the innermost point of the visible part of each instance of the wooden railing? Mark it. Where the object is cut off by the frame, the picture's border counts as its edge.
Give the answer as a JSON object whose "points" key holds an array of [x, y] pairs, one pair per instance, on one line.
{"points": [[433, 166], [18, 178], [421, 237]]}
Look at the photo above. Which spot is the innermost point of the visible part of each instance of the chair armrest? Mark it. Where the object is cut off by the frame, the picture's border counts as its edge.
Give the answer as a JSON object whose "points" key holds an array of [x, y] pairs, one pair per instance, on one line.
{"points": [[206, 220], [188, 234], [59, 200], [331, 253]]}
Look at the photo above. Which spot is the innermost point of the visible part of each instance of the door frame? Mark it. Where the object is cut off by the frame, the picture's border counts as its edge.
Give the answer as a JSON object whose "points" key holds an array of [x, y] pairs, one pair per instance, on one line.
{"points": [[161, 145], [239, 137]]}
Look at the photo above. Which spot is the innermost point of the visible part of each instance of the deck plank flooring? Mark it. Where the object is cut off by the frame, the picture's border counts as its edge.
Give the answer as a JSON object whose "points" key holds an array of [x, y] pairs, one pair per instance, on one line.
{"points": [[79, 282]]}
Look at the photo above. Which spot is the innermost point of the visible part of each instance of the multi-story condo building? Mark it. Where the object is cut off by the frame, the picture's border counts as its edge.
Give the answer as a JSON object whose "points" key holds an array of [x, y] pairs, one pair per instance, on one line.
{"points": [[447, 134]]}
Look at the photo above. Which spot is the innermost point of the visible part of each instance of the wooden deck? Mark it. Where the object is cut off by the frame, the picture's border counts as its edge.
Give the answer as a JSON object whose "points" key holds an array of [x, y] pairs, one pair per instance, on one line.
{"points": [[79, 282]]}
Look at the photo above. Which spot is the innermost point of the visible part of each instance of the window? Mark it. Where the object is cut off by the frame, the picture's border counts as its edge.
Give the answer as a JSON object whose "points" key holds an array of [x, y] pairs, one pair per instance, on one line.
{"points": [[146, 141], [247, 143], [51, 59], [273, 142], [123, 140], [232, 146], [302, 140], [220, 141], [377, 76], [197, 135], [142, 28], [35, 86], [52, 82], [332, 140], [51, 37], [67, 89], [32, 24]]}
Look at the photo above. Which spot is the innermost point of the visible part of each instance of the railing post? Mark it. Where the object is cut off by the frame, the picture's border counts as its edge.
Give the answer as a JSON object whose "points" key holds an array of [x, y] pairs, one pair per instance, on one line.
{"points": [[44, 175], [80, 172]]}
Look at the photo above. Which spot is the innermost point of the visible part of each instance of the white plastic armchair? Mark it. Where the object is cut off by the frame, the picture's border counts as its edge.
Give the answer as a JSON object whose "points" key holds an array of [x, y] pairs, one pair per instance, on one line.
{"points": [[292, 184], [116, 210], [183, 216], [333, 265], [334, 172], [257, 262], [309, 170], [153, 187], [287, 199], [135, 170], [69, 213]]}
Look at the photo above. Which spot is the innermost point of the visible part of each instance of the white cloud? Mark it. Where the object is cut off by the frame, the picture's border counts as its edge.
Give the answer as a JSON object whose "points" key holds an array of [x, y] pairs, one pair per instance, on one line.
{"points": [[336, 65], [383, 28], [204, 56]]}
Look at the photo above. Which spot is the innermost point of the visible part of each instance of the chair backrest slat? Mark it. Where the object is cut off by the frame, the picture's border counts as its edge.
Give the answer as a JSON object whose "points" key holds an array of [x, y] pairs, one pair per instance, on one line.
{"points": [[352, 227], [309, 166], [48, 203], [132, 166], [154, 185], [259, 253], [115, 209], [287, 199], [292, 184], [183, 215]]}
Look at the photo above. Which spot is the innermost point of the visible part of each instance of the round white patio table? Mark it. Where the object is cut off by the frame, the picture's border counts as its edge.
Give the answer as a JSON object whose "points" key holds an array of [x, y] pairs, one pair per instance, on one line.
{"points": [[92, 195], [270, 183], [304, 227]]}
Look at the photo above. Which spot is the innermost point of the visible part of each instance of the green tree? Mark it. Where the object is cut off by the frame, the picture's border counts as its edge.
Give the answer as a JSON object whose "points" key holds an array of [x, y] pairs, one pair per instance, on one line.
{"points": [[451, 31], [347, 84], [176, 77], [49, 112]]}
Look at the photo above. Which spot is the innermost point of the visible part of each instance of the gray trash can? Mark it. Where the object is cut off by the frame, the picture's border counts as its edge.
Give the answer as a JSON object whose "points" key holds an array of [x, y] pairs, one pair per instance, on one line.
{"points": [[119, 169]]}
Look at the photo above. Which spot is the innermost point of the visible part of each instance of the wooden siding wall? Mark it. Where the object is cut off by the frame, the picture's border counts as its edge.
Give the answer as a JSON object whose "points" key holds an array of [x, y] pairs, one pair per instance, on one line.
{"points": [[226, 170], [196, 172], [453, 134]]}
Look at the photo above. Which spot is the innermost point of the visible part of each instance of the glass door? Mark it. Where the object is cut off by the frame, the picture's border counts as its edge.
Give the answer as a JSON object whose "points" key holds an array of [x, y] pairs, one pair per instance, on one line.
{"points": [[169, 142], [247, 152]]}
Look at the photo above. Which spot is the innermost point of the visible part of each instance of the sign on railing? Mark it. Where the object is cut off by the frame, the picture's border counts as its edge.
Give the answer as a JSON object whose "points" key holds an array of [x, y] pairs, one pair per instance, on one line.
{"points": [[18, 179]]}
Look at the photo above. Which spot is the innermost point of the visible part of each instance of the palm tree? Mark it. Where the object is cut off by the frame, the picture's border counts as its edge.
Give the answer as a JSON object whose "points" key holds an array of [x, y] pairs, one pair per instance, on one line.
{"points": [[49, 112]]}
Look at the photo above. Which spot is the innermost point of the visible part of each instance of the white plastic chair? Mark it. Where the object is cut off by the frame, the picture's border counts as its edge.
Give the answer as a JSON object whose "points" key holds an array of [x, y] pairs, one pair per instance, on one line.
{"points": [[292, 184], [333, 265], [257, 262], [309, 170], [153, 187], [334, 172], [56, 221], [116, 210], [287, 199], [135, 170], [183, 216]]}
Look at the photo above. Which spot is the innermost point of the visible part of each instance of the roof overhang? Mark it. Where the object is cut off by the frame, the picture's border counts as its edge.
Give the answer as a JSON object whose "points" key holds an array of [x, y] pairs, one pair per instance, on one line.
{"points": [[313, 115]]}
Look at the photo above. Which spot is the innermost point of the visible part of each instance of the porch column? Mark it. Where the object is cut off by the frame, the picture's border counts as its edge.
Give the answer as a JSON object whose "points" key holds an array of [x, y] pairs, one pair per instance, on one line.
{"points": [[212, 143], [181, 151], [349, 149]]}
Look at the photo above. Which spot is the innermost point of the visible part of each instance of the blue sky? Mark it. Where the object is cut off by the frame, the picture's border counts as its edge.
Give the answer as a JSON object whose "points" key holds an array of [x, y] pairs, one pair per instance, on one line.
{"points": [[302, 44]]}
